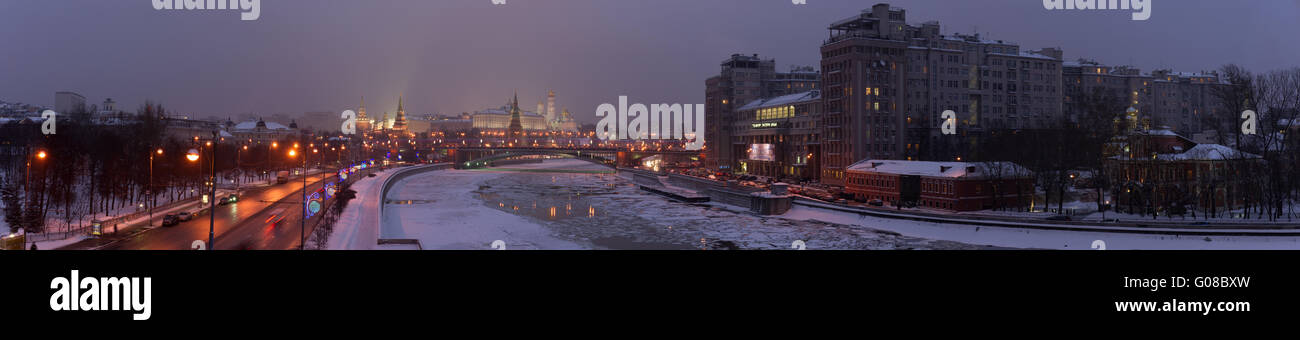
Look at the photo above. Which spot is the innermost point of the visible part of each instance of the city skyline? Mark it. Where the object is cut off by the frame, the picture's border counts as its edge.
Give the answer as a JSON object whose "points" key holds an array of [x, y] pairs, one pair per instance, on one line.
{"points": [[273, 65]]}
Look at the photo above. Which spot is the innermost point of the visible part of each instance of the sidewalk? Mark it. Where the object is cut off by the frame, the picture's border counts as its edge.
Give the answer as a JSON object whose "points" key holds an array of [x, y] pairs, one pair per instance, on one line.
{"points": [[130, 227]]}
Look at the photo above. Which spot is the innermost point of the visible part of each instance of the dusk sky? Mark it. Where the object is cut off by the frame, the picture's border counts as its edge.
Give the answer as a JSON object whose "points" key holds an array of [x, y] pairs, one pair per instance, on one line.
{"points": [[452, 56]]}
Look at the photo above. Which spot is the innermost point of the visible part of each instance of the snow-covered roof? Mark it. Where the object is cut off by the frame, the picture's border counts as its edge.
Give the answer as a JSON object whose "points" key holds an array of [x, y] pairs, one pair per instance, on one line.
{"points": [[781, 101], [1162, 132], [1208, 152], [939, 169], [1025, 55], [249, 125]]}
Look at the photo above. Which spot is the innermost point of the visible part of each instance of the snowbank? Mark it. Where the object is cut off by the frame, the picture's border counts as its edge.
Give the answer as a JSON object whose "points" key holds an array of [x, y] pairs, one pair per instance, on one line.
{"points": [[355, 228]]}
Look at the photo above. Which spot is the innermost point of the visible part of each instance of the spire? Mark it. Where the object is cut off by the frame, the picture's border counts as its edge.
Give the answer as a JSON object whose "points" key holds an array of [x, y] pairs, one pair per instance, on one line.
{"points": [[399, 123]]}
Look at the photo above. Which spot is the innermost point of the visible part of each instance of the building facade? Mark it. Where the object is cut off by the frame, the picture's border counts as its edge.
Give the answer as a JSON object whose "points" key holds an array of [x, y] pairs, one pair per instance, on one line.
{"points": [[887, 82], [68, 102], [1179, 100], [1161, 171], [956, 186], [781, 136], [742, 80]]}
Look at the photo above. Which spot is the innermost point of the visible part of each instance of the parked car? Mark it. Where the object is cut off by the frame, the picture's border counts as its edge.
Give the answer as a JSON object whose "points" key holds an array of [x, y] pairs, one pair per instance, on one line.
{"points": [[170, 220], [185, 216], [876, 202], [1059, 218]]}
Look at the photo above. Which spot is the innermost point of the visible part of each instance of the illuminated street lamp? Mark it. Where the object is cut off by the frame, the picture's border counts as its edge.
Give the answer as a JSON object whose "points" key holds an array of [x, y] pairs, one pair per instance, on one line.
{"points": [[152, 195]]}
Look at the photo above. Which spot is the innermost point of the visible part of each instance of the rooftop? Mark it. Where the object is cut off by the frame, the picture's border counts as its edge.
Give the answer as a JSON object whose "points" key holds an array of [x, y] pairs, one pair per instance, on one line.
{"points": [[940, 169], [782, 100]]}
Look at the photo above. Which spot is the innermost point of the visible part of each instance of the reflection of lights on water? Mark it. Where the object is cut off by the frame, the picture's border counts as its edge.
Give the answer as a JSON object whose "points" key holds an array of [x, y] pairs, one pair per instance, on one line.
{"points": [[591, 211]]}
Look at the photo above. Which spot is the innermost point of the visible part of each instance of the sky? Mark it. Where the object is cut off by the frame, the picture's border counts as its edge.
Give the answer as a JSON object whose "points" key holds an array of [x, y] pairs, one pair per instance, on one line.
{"points": [[452, 56]]}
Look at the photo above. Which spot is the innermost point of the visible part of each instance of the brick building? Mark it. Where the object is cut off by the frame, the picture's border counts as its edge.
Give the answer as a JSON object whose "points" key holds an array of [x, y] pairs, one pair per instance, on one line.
{"points": [[958, 186]]}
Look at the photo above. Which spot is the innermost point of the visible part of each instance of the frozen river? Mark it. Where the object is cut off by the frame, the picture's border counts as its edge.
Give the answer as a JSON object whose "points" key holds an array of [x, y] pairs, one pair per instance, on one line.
{"points": [[570, 204]]}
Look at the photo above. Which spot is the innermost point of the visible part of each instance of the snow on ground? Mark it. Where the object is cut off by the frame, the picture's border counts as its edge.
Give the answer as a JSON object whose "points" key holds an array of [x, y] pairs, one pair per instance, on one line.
{"points": [[1044, 239], [56, 244], [440, 210], [356, 228]]}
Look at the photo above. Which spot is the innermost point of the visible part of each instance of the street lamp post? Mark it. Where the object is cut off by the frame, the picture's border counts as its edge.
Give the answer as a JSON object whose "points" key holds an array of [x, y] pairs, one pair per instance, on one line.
{"points": [[302, 226], [153, 196], [40, 154], [212, 200], [302, 231]]}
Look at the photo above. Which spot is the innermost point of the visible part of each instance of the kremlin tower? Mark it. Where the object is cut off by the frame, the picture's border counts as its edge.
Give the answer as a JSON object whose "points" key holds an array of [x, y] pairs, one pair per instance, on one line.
{"points": [[363, 123], [399, 124], [516, 126]]}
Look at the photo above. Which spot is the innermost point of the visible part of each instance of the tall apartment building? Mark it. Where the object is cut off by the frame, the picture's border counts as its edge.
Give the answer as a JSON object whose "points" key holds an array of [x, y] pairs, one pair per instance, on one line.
{"points": [[887, 82], [1178, 100], [744, 79]]}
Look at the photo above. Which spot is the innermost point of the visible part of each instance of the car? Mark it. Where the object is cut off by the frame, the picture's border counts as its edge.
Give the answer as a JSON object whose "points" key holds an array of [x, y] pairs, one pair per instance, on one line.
{"points": [[370, 175], [230, 199], [276, 217], [876, 202], [1059, 218], [185, 216], [170, 220]]}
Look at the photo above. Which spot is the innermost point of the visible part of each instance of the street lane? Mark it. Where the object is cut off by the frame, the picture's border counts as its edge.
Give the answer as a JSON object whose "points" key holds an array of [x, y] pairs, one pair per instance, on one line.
{"points": [[182, 235], [277, 226]]}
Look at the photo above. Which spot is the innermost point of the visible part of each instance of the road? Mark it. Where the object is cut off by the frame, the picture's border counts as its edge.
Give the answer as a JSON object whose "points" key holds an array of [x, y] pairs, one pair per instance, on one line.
{"points": [[242, 225]]}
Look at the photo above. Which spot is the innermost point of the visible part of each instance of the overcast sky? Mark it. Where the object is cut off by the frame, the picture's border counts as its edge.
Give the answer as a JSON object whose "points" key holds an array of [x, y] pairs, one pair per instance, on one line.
{"points": [[451, 56]]}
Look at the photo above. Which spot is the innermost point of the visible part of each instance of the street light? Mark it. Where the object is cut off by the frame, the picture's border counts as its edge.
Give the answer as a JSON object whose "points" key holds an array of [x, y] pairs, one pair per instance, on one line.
{"points": [[212, 203], [302, 231], [152, 195]]}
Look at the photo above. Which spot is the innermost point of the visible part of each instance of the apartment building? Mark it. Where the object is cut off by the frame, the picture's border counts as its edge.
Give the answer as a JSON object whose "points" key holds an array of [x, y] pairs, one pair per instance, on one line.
{"points": [[887, 82], [744, 79]]}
